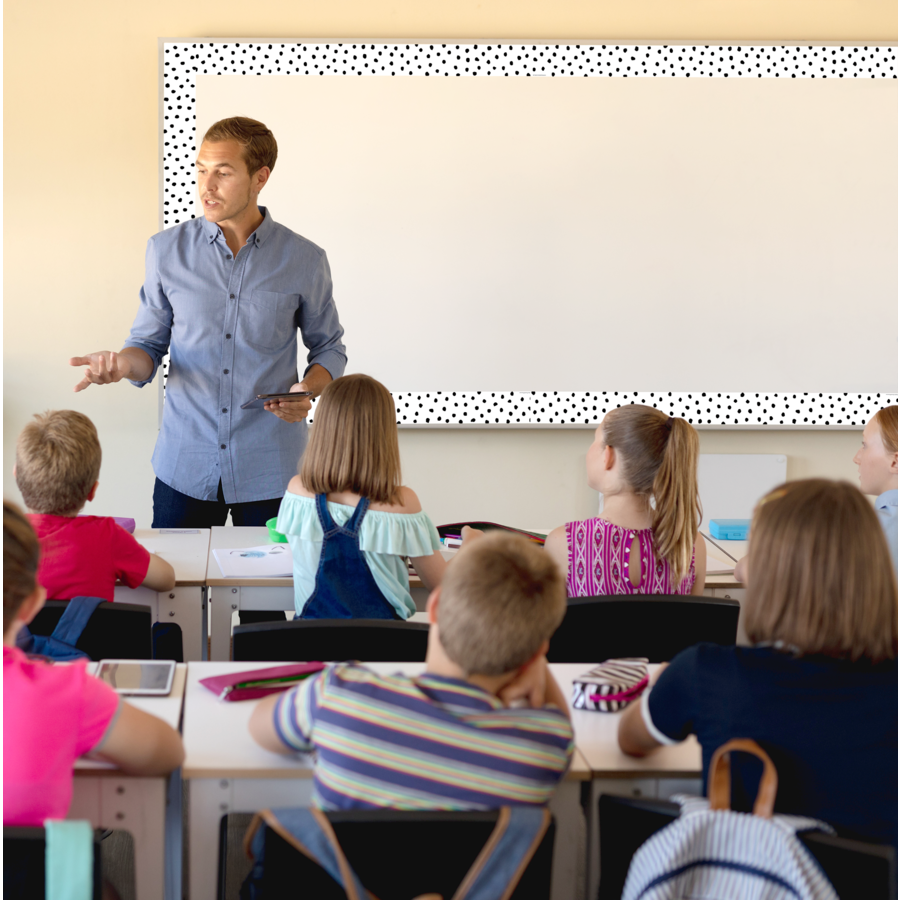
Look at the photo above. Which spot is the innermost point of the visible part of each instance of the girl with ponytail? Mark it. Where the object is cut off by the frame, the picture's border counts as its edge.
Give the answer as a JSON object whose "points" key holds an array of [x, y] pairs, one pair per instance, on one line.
{"points": [[646, 540]]}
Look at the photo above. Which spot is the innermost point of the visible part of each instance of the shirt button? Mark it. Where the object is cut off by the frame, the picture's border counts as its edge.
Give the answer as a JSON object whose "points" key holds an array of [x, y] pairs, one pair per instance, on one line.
{"points": [[224, 409], [227, 337], [225, 371], [222, 446], [231, 296], [228, 257]]}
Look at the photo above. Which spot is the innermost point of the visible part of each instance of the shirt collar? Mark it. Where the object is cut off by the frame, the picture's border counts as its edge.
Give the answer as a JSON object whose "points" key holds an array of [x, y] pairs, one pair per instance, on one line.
{"points": [[888, 498], [258, 237], [477, 693]]}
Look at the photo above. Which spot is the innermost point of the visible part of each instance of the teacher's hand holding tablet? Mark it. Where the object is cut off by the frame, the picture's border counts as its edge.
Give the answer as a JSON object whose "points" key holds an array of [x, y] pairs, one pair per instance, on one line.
{"points": [[292, 410]]}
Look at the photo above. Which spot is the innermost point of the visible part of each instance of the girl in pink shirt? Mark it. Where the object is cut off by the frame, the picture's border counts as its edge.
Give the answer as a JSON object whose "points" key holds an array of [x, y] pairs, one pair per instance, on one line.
{"points": [[646, 540], [52, 714]]}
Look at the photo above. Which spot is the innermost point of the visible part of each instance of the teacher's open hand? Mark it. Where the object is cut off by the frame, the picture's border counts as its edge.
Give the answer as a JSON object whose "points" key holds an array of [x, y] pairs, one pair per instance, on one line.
{"points": [[292, 410], [103, 367]]}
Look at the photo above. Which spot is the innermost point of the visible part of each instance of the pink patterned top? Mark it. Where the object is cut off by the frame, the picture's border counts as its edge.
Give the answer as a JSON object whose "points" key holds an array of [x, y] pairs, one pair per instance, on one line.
{"points": [[598, 562]]}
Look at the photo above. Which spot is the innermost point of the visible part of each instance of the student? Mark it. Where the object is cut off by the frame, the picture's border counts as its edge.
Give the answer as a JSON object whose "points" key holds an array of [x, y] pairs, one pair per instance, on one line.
{"points": [[349, 522], [447, 739], [646, 540], [877, 461], [52, 714], [818, 688], [57, 464]]}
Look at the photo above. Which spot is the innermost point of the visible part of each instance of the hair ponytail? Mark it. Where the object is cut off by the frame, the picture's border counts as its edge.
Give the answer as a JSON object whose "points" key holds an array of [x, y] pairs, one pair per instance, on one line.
{"points": [[659, 460], [678, 512]]}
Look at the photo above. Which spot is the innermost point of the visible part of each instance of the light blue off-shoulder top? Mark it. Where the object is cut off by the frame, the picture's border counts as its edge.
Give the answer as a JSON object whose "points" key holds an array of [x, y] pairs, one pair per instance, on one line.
{"points": [[385, 539]]}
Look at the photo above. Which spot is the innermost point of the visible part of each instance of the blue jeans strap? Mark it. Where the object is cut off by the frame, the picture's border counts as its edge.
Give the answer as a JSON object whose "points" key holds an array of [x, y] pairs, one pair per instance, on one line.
{"points": [[75, 618], [325, 520], [352, 526]]}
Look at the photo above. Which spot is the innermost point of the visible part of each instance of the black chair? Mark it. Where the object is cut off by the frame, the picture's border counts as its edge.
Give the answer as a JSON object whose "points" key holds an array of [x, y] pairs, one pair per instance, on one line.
{"points": [[327, 640], [657, 626], [23, 864], [114, 631], [858, 871], [437, 850]]}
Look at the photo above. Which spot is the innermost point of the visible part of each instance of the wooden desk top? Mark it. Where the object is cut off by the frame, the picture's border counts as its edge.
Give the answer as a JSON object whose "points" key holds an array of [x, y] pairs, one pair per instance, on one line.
{"points": [[217, 741], [596, 738], [166, 708], [236, 537], [185, 550]]}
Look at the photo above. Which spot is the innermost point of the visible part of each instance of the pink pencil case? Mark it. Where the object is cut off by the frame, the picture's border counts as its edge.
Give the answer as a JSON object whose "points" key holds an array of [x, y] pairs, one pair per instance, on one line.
{"points": [[127, 524], [260, 682]]}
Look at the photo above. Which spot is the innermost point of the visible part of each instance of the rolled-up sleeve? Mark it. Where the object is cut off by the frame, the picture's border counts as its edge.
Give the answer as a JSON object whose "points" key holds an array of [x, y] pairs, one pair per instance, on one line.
{"points": [[320, 326], [152, 328]]}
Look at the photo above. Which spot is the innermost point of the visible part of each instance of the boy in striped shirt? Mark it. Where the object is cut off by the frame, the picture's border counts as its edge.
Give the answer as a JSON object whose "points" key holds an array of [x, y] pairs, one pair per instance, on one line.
{"points": [[486, 725]]}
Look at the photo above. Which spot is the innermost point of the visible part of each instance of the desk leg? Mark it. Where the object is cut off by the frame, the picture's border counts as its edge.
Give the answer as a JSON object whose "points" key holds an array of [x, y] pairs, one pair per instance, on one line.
{"points": [[223, 602], [569, 848], [186, 607], [212, 798]]}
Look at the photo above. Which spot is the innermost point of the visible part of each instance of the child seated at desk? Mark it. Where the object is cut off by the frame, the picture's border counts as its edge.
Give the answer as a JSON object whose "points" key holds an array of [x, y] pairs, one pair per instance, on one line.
{"points": [[818, 690], [349, 522], [639, 454], [52, 714], [447, 739], [57, 465]]}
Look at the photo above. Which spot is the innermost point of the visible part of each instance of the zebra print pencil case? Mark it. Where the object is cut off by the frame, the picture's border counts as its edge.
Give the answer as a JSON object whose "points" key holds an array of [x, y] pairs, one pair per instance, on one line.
{"points": [[611, 686]]}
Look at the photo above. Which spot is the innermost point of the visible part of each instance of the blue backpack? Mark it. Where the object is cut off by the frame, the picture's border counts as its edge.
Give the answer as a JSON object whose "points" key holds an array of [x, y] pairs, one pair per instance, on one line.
{"points": [[60, 645]]}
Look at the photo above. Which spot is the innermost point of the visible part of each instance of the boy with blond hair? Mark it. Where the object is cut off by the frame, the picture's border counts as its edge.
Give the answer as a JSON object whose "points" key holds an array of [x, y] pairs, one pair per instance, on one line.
{"points": [[449, 738], [57, 465]]}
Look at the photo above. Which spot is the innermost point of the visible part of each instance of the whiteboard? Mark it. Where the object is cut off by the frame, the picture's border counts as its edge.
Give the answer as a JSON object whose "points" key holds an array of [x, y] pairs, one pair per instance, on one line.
{"points": [[585, 234], [731, 484]]}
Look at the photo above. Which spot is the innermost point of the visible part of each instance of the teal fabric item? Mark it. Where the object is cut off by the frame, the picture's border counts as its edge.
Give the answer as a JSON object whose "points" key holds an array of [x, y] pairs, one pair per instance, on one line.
{"points": [[69, 859], [385, 539]]}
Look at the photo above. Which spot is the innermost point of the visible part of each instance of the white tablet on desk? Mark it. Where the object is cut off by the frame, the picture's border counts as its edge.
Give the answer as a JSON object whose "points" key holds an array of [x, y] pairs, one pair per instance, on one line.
{"points": [[138, 677]]}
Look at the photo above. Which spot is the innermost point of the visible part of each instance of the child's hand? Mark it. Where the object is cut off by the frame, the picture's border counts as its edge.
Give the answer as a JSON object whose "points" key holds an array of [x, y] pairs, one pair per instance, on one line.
{"points": [[530, 685]]}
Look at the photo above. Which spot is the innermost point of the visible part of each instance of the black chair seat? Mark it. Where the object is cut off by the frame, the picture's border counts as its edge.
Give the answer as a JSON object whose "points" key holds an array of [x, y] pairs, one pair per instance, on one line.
{"points": [[396, 854], [24, 876], [657, 626], [327, 640], [114, 631], [857, 870]]}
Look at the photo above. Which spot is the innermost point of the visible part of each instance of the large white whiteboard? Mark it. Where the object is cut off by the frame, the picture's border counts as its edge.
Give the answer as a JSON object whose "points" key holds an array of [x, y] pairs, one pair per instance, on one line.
{"points": [[594, 234]]}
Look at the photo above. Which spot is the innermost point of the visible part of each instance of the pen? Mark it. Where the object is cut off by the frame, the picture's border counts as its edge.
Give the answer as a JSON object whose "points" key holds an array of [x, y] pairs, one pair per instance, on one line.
{"points": [[716, 545]]}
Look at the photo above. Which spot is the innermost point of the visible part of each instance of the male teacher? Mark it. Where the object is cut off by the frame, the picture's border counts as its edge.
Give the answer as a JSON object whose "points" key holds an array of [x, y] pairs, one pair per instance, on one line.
{"points": [[224, 296]]}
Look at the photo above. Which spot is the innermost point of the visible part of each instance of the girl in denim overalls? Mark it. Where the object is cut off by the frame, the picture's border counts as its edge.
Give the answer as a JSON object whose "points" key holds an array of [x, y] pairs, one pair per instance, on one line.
{"points": [[349, 522]]}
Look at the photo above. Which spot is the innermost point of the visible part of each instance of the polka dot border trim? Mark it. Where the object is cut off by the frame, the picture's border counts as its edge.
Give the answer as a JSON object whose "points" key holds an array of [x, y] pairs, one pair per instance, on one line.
{"points": [[182, 61]]}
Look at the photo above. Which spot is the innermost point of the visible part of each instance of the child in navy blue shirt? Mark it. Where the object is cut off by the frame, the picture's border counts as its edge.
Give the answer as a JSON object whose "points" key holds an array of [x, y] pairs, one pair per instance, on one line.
{"points": [[818, 688]]}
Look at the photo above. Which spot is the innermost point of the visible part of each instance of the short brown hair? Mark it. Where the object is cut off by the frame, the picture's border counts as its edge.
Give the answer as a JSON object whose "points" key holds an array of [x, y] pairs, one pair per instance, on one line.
{"points": [[57, 462], [258, 146], [659, 459], [820, 576], [353, 445], [21, 552], [887, 422], [501, 598]]}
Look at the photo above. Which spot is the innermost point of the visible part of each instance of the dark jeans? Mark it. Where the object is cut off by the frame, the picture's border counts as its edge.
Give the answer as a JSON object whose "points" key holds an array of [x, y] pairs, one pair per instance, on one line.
{"points": [[172, 509]]}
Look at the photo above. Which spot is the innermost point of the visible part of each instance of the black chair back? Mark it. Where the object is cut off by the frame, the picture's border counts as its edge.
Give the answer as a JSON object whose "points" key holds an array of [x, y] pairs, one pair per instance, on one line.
{"points": [[24, 875], [857, 870], [657, 626], [114, 631], [327, 640], [438, 849]]}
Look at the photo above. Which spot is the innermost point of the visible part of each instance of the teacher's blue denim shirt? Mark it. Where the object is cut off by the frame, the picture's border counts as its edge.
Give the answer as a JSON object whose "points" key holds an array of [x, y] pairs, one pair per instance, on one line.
{"points": [[230, 328], [886, 507]]}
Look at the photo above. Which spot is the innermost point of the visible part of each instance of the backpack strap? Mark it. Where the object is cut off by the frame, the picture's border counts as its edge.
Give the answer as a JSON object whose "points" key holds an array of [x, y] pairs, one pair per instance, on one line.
{"points": [[74, 619], [720, 777], [507, 853]]}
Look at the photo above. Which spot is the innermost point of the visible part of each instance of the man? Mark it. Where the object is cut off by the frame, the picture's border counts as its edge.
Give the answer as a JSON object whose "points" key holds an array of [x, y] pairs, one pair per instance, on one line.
{"points": [[224, 295]]}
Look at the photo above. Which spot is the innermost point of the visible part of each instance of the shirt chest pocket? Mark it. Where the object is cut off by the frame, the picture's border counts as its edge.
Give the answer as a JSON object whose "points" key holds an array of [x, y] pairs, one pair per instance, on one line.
{"points": [[267, 320]]}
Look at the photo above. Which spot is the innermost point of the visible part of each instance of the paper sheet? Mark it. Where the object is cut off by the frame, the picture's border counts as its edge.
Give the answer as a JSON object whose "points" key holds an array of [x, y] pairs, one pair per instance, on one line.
{"points": [[267, 561]]}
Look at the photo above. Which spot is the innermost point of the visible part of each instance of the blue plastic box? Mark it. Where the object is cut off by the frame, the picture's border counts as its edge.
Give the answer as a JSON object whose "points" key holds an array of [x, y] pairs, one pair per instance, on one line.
{"points": [[729, 529]]}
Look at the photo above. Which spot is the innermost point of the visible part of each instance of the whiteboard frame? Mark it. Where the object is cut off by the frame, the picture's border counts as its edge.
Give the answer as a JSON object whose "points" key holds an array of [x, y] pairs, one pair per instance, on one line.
{"points": [[180, 60]]}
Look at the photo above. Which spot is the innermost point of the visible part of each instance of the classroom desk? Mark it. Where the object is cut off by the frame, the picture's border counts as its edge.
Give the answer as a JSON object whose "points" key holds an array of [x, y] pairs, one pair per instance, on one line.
{"points": [[664, 772], [186, 550], [148, 808], [228, 772]]}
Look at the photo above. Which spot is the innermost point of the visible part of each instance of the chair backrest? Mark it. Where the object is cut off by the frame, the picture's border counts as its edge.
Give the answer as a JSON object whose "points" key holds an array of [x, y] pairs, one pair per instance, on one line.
{"points": [[327, 640], [24, 874], [396, 854], [114, 631], [657, 626], [858, 871]]}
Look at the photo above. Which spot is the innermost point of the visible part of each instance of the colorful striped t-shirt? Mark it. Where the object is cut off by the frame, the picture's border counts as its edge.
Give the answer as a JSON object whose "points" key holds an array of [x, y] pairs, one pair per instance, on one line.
{"points": [[424, 742]]}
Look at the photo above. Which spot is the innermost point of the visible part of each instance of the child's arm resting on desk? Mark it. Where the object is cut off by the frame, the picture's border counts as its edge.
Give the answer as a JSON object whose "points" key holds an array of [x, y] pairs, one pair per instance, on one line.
{"points": [[160, 575], [283, 723], [140, 744]]}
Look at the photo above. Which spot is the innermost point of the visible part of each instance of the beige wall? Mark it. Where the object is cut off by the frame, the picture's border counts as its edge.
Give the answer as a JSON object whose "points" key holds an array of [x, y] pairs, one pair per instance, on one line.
{"points": [[81, 197]]}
